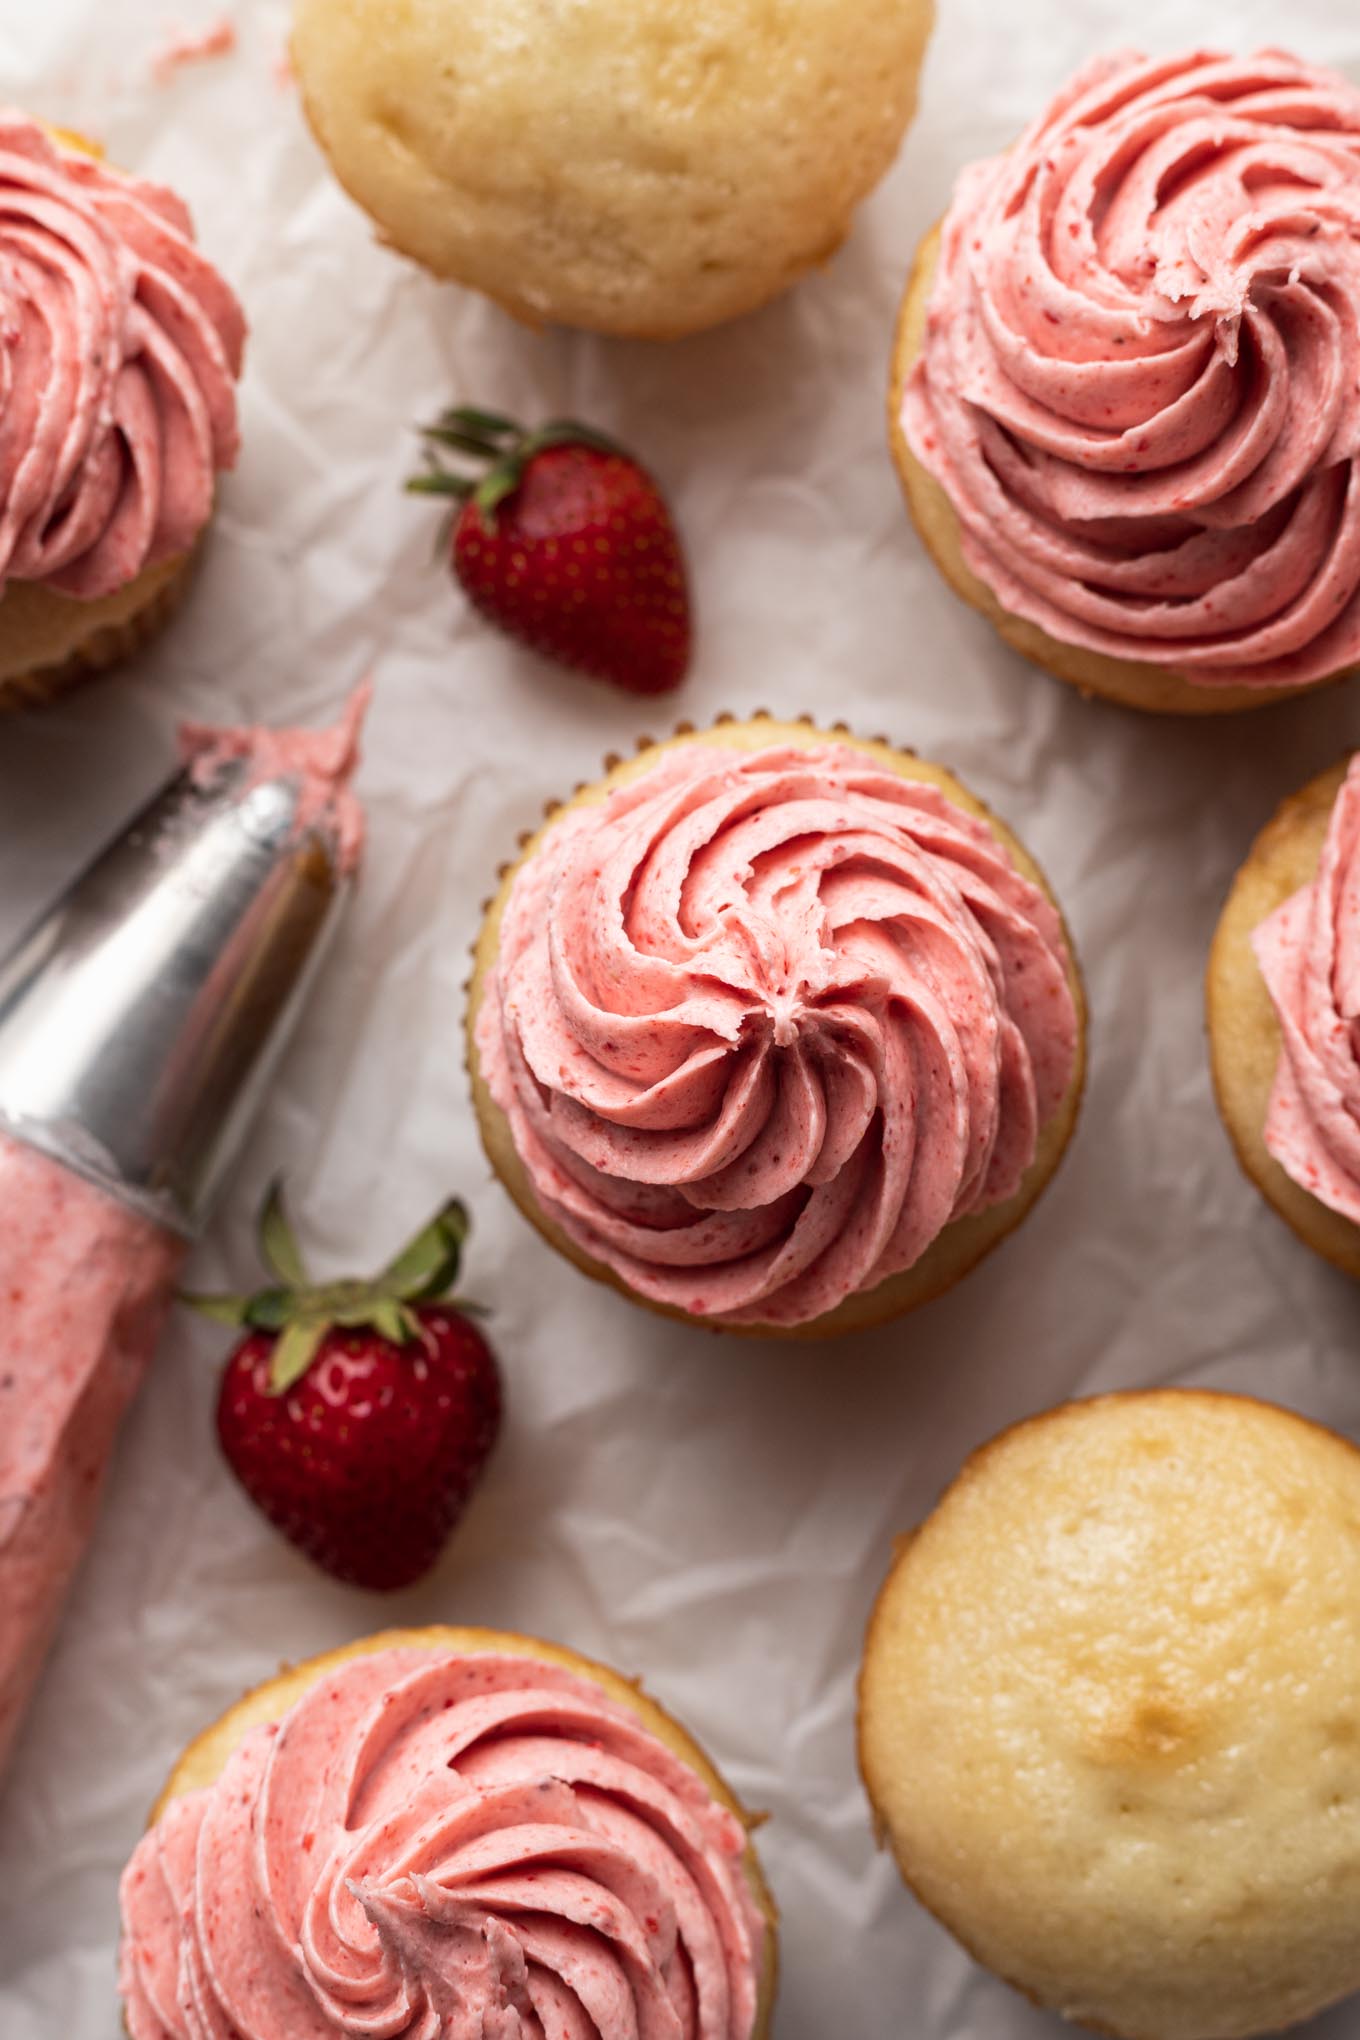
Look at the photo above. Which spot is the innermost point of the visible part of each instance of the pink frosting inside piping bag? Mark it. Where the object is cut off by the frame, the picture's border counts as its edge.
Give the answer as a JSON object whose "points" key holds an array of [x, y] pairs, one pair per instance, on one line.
{"points": [[450, 1846], [324, 761], [1309, 953], [120, 346], [1140, 384], [85, 1285], [763, 1024]]}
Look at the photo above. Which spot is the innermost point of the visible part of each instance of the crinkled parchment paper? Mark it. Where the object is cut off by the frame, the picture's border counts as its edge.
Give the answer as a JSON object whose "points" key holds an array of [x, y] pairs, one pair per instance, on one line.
{"points": [[712, 1514]]}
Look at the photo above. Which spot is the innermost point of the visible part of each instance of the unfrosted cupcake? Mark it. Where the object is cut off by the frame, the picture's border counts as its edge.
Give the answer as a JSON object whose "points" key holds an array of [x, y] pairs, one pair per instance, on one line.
{"points": [[117, 408], [775, 1031], [447, 1831], [1284, 1014], [1110, 1714], [1124, 404], [641, 167]]}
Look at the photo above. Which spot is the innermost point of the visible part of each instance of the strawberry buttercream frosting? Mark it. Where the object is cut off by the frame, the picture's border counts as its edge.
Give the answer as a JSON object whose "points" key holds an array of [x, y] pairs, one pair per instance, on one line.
{"points": [[120, 346], [1309, 954], [1140, 379], [763, 1024], [447, 1846], [85, 1285]]}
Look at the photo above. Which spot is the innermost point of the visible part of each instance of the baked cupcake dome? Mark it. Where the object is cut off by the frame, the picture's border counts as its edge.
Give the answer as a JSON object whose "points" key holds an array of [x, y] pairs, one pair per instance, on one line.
{"points": [[788, 1124], [639, 167], [1110, 1721], [1289, 1099], [571, 1773], [119, 409], [1127, 437]]}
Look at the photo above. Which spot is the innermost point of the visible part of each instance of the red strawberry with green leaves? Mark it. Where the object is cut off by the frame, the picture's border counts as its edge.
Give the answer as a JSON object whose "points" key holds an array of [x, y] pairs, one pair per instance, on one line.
{"points": [[359, 1415], [564, 542]]}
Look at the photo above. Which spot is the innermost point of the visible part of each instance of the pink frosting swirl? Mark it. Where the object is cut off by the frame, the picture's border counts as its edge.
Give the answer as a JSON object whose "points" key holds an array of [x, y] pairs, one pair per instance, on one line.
{"points": [[1309, 953], [119, 350], [764, 1023], [445, 1847], [1140, 383]]}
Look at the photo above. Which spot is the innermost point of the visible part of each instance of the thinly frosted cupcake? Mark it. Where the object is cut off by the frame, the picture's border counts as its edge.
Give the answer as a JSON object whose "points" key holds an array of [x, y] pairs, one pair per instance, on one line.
{"points": [[117, 408], [447, 1832], [775, 1031], [1284, 1014], [1124, 405]]}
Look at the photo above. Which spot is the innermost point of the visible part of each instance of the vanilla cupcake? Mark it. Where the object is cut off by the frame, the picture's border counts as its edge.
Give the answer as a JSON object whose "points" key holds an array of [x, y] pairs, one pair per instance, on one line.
{"points": [[1124, 404], [775, 1031], [1110, 1714], [1284, 1014], [447, 1825], [117, 408], [642, 167]]}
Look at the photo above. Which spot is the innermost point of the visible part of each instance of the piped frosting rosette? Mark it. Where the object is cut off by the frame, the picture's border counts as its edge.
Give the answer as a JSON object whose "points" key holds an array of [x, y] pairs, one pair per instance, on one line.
{"points": [[763, 1024], [121, 349], [1309, 954], [445, 1847], [1140, 382]]}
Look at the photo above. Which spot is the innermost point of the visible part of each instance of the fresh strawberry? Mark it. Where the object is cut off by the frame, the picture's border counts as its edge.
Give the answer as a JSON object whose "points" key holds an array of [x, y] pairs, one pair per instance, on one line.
{"points": [[565, 543], [359, 1415]]}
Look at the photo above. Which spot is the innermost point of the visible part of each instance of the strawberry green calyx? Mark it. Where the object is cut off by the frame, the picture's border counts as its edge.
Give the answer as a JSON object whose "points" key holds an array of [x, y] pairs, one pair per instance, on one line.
{"points": [[499, 449], [301, 1313]]}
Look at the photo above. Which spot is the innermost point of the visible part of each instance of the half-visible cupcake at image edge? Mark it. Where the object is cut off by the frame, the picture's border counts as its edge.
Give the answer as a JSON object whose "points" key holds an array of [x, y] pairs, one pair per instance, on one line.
{"points": [[775, 1031], [1108, 1715], [448, 1824], [646, 168], [1124, 404], [122, 349], [1284, 1014]]}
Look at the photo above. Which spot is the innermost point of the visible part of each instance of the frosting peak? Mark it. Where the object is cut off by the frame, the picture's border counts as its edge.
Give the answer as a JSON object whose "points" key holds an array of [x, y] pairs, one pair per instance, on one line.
{"points": [[1309, 954], [764, 1023], [119, 350], [445, 1847], [1140, 382]]}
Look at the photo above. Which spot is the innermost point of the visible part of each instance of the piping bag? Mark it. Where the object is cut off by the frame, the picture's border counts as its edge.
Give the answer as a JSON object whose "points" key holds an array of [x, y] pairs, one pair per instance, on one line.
{"points": [[140, 1021]]}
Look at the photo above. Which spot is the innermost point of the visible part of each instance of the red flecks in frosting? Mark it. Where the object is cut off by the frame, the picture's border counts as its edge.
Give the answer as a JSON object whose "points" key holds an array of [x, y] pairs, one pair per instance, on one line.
{"points": [[120, 347], [497, 1848], [1309, 953], [84, 1286], [763, 1024], [1140, 384]]}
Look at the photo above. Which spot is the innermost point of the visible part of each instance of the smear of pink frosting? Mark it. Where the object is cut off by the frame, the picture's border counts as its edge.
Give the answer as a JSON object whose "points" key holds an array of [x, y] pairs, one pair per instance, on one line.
{"points": [[324, 761], [1140, 384], [764, 1024], [1309, 953], [456, 1847], [85, 1285], [120, 346], [193, 46]]}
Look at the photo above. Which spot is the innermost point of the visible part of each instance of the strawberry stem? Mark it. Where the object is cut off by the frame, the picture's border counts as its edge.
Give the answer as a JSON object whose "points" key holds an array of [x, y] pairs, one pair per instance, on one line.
{"points": [[502, 447], [301, 1312]]}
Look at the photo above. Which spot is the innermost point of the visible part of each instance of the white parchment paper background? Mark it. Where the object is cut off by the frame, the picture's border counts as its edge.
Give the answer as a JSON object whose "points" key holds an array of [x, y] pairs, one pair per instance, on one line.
{"points": [[712, 1514]]}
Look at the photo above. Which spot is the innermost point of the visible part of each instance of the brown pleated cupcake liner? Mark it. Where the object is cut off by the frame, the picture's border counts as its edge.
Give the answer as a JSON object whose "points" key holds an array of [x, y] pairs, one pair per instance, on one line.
{"points": [[107, 644]]}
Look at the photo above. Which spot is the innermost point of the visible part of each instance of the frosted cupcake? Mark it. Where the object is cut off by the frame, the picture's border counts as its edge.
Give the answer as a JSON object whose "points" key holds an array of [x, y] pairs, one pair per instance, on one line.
{"points": [[447, 1832], [1125, 406], [775, 1031], [1284, 1014], [117, 408]]}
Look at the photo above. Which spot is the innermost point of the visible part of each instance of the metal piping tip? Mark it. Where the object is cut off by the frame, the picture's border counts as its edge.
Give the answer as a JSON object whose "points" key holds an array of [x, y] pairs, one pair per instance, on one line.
{"points": [[142, 1016]]}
